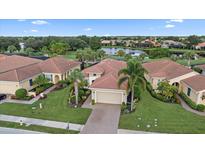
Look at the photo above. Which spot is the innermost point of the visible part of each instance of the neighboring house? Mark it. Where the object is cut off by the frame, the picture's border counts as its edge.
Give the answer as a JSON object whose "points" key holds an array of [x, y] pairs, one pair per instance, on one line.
{"points": [[194, 88], [172, 44], [202, 67], [106, 42], [200, 46], [20, 72], [166, 70], [103, 82]]}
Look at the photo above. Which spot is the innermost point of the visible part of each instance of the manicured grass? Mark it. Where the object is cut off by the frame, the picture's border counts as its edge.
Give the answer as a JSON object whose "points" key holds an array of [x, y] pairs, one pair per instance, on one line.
{"points": [[70, 55], [37, 128], [55, 107], [172, 118], [193, 62]]}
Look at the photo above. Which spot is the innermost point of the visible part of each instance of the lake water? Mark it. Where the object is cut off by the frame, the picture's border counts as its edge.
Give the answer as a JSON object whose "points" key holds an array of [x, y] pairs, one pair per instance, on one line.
{"points": [[113, 51]]}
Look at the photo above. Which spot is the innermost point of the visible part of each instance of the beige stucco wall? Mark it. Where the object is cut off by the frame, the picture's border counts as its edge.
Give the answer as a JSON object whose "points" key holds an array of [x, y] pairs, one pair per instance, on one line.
{"points": [[153, 80], [8, 87], [108, 93], [195, 96], [91, 77], [25, 83]]}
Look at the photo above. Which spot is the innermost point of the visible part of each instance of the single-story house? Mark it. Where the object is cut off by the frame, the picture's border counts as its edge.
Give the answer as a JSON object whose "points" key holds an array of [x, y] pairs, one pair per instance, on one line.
{"points": [[20, 72], [103, 82], [202, 67], [166, 70], [194, 88], [200, 46]]}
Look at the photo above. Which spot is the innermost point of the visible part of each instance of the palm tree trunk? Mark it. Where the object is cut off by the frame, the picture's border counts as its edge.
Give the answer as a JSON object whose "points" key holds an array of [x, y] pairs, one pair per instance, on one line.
{"points": [[76, 92], [189, 61], [132, 98]]}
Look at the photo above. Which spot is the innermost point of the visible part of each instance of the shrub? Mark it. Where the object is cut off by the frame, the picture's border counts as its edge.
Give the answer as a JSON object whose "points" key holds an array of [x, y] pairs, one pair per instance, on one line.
{"points": [[93, 102], [188, 101], [39, 90], [123, 106], [200, 107], [197, 69], [21, 93]]}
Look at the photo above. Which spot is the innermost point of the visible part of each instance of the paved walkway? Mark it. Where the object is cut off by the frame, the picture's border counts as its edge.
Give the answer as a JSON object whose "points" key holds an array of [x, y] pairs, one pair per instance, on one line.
{"points": [[30, 101], [104, 119], [4, 130], [186, 107], [87, 103], [126, 131], [40, 122]]}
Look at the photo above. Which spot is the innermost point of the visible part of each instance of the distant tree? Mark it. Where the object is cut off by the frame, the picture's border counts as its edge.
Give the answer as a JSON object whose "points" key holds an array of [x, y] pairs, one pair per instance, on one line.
{"points": [[59, 48], [121, 53], [189, 55], [76, 43], [193, 40], [29, 50], [11, 48], [45, 49], [94, 43]]}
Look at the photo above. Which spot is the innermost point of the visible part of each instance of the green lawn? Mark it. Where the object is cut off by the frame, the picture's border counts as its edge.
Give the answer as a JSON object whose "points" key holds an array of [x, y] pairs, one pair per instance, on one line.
{"points": [[55, 107], [172, 118], [193, 62], [37, 128], [70, 55]]}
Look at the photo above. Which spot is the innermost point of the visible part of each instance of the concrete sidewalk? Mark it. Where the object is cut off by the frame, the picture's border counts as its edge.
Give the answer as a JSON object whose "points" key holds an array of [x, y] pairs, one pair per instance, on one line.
{"points": [[126, 131], [41, 122], [30, 101], [4, 130]]}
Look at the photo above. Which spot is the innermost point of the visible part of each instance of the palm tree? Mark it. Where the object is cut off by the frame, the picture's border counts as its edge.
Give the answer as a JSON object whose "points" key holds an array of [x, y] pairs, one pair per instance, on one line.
{"points": [[189, 55], [76, 77], [132, 74]]}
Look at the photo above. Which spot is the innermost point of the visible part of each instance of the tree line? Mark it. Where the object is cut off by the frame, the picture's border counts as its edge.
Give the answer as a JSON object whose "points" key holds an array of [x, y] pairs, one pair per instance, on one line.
{"points": [[51, 44]]}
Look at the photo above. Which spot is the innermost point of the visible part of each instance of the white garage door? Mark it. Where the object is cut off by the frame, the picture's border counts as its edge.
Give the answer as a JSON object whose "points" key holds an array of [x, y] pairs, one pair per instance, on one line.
{"points": [[109, 97]]}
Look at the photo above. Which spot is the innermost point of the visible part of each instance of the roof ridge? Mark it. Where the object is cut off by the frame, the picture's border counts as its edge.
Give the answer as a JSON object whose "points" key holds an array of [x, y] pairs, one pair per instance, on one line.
{"points": [[19, 68], [16, 73]]}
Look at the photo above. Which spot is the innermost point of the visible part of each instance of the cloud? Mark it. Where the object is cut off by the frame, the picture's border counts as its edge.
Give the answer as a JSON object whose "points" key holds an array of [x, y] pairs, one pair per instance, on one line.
{"points": [[34, 30], [87, 29], [39, 22], [175, 20], [107, 35], [20, 20], [169, 26]]}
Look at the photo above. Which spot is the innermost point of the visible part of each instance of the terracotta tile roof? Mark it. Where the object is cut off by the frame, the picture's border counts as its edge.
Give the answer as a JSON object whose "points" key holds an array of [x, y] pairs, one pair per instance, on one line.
{"points": [[166, 68], [21, 73], [109, 69], [201, 44], [18, 68], [57, 65], [196, 82], [14, 62]]}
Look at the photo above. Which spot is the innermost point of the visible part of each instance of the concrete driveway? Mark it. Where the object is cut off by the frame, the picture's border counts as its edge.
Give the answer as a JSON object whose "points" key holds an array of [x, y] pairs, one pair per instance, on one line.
{"points": [[104, 119]]}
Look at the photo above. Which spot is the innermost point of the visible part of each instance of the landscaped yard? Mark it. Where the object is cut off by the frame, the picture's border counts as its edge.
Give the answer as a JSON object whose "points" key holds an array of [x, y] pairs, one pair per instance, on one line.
{"points": [[171, 118], [70, 55], [37, 128], [55, 107], [193, 62]]}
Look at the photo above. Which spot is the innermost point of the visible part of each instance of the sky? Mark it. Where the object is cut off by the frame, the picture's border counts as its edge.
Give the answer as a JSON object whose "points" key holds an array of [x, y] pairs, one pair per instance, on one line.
{"points": [[101, 27]]}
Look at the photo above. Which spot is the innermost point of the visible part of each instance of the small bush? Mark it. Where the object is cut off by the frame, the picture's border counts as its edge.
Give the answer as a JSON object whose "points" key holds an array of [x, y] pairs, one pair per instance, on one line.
{"points": [[197, 69], [39, 90], [123, 106], [93, 102], [21, 93], [188, 101], [200, 107]]}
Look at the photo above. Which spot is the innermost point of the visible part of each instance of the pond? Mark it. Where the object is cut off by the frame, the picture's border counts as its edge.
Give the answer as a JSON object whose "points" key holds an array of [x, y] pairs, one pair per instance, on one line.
{"points": [[113, 51]]}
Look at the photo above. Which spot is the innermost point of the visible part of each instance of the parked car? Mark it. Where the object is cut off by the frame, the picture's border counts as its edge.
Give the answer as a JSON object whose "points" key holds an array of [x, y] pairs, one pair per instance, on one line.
{"points": [[2, 96]]}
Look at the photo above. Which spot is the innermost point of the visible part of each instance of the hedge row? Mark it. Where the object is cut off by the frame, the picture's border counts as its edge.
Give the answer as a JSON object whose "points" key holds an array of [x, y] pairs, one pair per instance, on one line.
{"points": [[199, 107], [155, 95]]}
